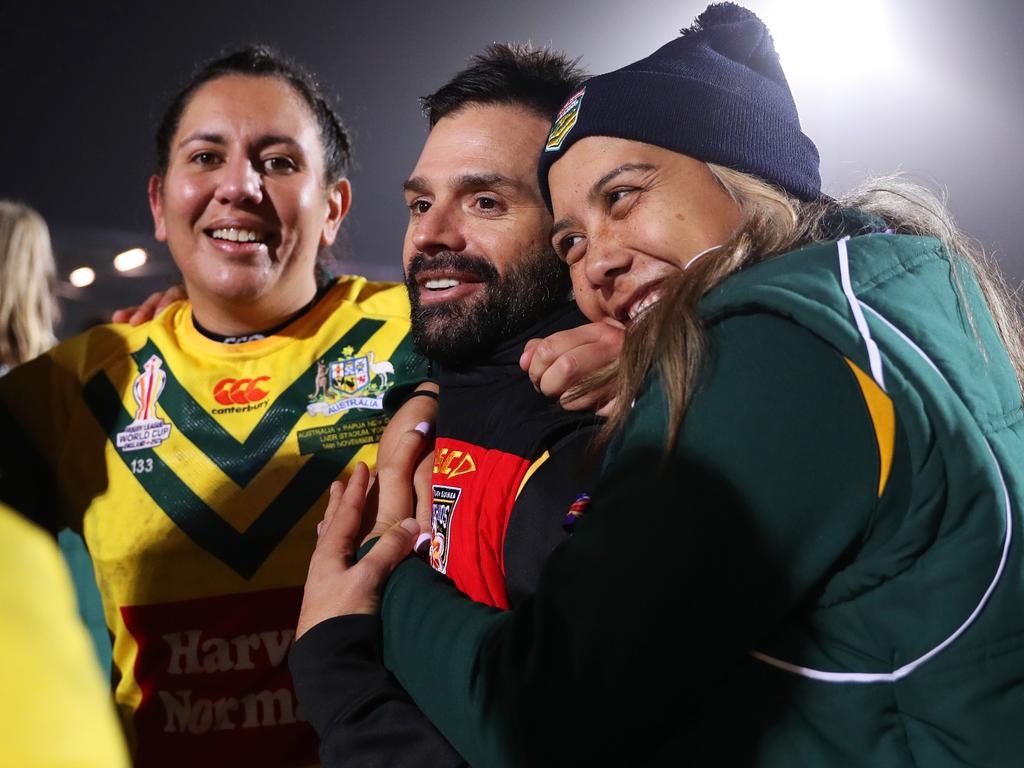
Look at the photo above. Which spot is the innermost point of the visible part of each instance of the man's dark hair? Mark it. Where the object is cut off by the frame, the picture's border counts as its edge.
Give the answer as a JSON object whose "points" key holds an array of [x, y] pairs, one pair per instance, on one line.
{"points": [[509, 73], [262, 61]]}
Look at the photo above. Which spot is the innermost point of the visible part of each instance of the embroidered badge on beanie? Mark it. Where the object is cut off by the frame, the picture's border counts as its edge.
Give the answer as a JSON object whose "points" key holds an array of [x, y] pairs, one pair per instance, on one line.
{"points": [[564, 122]]}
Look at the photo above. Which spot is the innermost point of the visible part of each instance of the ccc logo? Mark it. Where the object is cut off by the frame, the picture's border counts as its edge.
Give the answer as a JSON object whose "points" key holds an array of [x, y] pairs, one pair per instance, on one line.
{"points": [[241, 391]]}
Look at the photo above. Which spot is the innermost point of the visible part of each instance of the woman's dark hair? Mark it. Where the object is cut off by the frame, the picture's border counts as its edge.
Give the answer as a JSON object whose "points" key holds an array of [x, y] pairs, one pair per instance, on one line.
{"points": [[261, 61]]}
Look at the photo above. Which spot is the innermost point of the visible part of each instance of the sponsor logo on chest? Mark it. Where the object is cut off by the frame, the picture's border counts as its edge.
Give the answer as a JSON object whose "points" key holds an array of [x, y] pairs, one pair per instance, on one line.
{"points": [[451, 463], [241, 395], [214, 680]]}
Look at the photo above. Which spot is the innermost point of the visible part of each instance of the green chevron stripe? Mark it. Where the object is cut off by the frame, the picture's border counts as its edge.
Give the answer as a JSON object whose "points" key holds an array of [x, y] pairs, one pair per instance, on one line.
{"points": [[242, 461], [243, 552]]}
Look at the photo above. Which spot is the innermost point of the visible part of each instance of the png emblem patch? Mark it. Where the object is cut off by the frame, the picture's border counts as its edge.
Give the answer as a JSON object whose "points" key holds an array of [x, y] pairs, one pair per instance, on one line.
{"points": [[445, 499], [350, 382], [147, 429], [564, 122]]}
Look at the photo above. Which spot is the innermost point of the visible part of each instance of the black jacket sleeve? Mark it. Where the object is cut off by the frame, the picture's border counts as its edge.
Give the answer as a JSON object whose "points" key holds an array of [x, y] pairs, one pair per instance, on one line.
{"points": [[538, 521], [363, 716]]}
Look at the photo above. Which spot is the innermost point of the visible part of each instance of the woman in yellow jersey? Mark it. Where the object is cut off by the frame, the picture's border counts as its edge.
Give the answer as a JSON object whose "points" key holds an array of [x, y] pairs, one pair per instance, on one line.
{"points": [[194, 451]]}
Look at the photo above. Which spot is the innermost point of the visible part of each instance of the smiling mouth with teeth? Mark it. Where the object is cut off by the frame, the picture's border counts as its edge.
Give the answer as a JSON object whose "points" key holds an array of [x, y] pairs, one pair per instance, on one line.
{"points": [[441, 283], [234, 235], [643, 305]]}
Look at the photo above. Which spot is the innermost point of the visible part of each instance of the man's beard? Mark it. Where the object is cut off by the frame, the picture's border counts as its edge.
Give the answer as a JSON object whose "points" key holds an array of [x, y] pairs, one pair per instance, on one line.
{"points": [[459, 332]]}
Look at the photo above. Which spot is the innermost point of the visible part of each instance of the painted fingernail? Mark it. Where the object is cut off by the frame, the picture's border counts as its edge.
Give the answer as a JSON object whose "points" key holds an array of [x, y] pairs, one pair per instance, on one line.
{"points": [[423, 428], [422, 544]]}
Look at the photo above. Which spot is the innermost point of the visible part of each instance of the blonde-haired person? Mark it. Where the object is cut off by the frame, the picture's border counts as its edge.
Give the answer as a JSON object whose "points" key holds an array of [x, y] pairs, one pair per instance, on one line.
{"points": [[28, 307], [805, 548]]}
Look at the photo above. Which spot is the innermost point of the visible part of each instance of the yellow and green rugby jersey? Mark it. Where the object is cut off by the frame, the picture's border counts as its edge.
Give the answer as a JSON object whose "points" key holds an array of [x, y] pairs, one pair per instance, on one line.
{"points": [[197, 472]]}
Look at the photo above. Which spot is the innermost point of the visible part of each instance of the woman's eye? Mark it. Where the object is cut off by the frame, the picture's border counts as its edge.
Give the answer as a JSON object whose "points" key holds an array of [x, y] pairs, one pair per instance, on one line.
{"points": [[205, 158], [565, 246], [279, 164], [617, 195]]}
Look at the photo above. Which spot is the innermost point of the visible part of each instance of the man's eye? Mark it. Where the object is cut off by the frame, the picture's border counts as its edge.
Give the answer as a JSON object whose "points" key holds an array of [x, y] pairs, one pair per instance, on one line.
{"points": [[419, 207], [487, 204], [279, 164]]}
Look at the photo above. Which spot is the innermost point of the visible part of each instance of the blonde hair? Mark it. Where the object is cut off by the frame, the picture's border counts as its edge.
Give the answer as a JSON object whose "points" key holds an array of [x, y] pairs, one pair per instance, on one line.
{"points": [[28, 308], [671, 336]]}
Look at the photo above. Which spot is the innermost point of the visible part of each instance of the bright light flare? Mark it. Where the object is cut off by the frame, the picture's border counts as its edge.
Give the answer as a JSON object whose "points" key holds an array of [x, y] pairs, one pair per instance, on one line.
{"points": [[833, 40], [82, 277], [129, 260]]}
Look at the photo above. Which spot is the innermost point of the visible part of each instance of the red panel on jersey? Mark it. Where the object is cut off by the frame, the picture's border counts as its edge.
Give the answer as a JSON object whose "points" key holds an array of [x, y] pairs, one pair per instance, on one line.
{"points": [[215, 682], [474, 492]]}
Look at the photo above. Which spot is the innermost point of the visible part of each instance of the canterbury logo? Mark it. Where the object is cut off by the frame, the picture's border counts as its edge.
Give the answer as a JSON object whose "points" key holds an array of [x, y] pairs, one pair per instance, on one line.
{"points": [[241, 391], [453, 463]]}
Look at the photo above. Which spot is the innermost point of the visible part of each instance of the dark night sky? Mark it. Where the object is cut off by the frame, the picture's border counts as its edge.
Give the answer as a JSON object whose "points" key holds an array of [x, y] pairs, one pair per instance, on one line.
{"points": [[931, 87]]}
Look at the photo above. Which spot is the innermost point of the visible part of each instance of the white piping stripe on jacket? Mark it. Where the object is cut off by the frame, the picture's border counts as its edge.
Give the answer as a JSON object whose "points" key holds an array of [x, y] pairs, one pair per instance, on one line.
{"points": [[906, 669], [874, 357]]}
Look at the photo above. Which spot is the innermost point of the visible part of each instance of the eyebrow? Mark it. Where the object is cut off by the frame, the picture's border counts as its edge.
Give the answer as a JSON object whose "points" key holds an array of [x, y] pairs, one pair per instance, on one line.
{"points": [[419, 184], [268, 140], [561, 224], [595, 191]]}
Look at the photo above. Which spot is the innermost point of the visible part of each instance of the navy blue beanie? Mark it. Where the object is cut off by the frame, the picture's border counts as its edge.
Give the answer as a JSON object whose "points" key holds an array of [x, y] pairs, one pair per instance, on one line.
{"points": [[716, 93]]}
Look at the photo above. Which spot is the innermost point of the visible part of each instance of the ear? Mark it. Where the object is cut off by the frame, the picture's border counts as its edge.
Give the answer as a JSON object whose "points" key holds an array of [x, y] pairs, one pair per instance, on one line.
{"points": [[339, 200], [156, 207]]}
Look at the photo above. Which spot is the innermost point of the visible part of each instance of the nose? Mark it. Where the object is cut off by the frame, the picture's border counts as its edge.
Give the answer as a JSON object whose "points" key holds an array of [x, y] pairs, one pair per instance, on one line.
{"points": [[239, 182], [604, 261], [437, 229]]}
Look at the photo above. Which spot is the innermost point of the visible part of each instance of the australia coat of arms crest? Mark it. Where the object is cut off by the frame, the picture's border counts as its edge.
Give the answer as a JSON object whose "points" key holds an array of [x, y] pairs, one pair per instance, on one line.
{"points": [[350, 382]]}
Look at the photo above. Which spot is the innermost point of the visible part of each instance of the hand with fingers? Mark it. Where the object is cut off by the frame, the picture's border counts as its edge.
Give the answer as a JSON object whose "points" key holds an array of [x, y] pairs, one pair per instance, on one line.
{"points": [[336, 585], [402, 474], [559, 363], [150, 308]]}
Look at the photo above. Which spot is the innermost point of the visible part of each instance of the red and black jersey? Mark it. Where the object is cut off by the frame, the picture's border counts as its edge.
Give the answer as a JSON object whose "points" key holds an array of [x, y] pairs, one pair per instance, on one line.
{"points": [[508, 465]]}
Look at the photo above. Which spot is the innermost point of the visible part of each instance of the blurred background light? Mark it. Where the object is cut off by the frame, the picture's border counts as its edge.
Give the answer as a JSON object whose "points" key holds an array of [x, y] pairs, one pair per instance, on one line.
{"points": [[130, 259], [835, 41], [82, 277]]}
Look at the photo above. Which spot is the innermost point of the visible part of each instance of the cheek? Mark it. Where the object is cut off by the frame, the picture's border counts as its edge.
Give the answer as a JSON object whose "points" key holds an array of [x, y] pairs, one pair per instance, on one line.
{"points": [[186, 198], [311, 200], [300, 209], [587, 299]]}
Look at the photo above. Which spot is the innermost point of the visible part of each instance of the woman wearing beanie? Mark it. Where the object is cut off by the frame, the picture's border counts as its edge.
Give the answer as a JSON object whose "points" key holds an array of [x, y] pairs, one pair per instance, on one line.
{"points": [[806, 548]]}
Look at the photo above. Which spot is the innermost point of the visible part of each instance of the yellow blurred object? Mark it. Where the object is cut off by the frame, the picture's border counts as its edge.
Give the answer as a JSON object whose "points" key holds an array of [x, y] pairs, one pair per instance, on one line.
{"points": [[56, 709]]}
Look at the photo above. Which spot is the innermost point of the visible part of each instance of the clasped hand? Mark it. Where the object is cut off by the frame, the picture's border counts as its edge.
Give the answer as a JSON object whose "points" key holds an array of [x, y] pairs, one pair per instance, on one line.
{"points": [[336, 585]]}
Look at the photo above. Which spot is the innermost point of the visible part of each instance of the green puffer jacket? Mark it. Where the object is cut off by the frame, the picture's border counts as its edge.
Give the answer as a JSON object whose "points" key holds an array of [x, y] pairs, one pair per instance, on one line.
{"points": [[826, 569]]}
